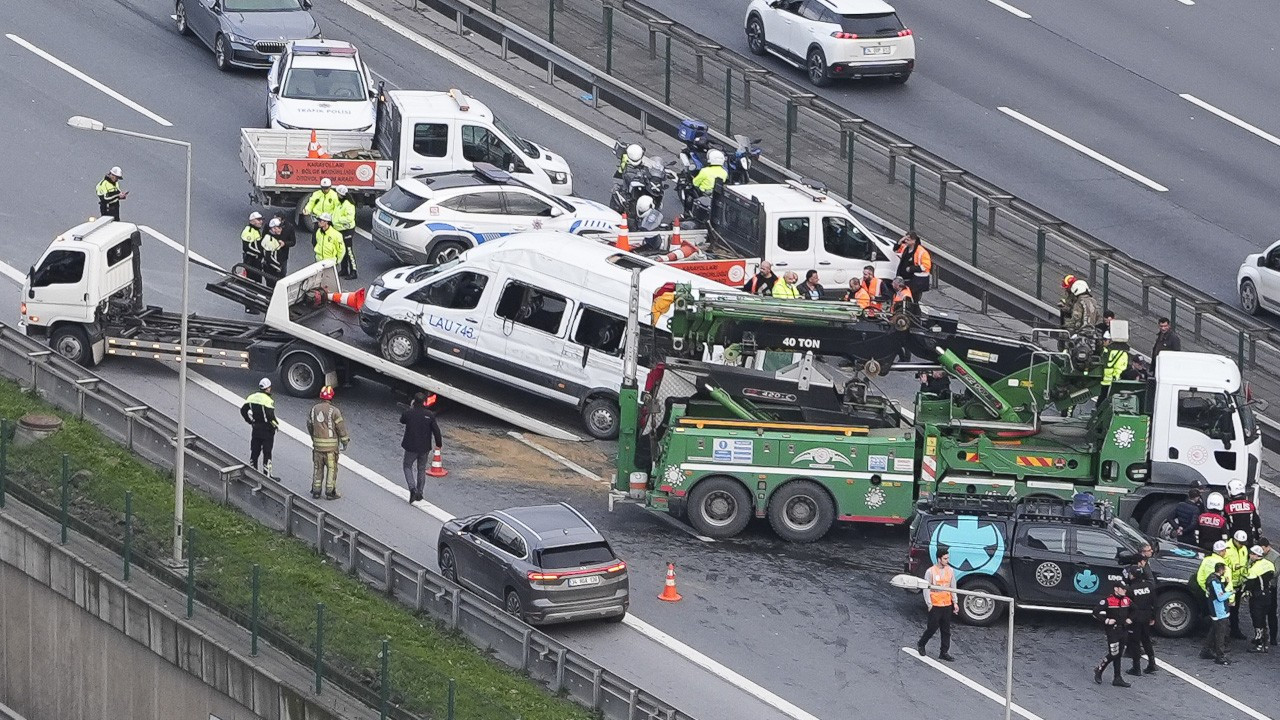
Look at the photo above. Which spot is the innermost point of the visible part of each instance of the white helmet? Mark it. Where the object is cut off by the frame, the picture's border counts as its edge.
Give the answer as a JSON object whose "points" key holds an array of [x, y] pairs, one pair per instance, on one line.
{"points": [[264, 384], [117, 172], [325, 182], [1220, 546], [715, 157], [1079, 287], [342, 190], [1235, 488], [1213, 502], [1241, 537], [635, 153], [644, 204], [255, 215], [326, 217]]}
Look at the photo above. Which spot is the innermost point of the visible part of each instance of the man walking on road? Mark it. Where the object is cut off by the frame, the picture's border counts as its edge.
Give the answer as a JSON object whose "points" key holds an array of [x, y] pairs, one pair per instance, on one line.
{"points": [[328, 433], [942, 604], [1142, 599], [1114, 614], [1166, 339], [259, 410], [109, 193], [421, 434]]}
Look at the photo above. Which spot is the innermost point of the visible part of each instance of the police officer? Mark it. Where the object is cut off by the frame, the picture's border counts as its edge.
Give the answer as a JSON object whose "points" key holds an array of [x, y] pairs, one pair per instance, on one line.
{"points": [[1142, 598], [109, 193], [272, 261], [344, 221], [251, 250], [322, 201], [1260, 587], [633, 156], [1211, 525], [328, 434], [705, 180], [329, 244], [1211, 559], [281, 229], [1241, 513], [1218, 589], [1237, 563], [259, 411], [1116, 356], [1114, 613], [1269, 554]]}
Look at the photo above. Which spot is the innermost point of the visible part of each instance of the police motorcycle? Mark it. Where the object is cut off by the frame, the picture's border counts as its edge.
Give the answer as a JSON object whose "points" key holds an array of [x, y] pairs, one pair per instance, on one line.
{"points": [[638, 176], [745, 153]]}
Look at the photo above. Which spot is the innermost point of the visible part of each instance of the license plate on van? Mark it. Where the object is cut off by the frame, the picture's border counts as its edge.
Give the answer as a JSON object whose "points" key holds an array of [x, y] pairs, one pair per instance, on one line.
{"points": [[581, 581], [878, 50]]}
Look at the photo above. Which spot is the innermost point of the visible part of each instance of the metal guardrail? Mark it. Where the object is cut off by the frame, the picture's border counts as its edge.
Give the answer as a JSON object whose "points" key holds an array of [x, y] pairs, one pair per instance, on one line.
{"points": [[152, 435], [1008, 252]]}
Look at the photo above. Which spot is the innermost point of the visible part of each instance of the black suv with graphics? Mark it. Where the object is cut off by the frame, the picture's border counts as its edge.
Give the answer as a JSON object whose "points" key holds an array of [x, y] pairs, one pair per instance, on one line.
{"points": [[1047, 556]]}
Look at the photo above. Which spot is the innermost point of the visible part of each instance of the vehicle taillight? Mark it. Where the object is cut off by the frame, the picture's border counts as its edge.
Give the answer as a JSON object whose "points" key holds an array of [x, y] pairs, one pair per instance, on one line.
{"points": [[543, 577], [616, 568], [844, 35], [22, 310], [904, 32]]}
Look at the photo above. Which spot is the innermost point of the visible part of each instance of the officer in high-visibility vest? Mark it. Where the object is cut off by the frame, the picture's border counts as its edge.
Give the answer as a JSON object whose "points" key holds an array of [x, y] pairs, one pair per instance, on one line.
{"points": [[1260, 586], [110, 194], [344, 221], [322, 201], [328, 241], [942, 603], [259, 411], [1237, 564], [251, 250], [1117, 356]]}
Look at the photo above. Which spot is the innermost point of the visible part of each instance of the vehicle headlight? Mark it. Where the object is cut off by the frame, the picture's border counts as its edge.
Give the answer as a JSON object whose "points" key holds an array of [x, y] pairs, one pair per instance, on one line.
{"points": [[239, 39], [558, 177]]}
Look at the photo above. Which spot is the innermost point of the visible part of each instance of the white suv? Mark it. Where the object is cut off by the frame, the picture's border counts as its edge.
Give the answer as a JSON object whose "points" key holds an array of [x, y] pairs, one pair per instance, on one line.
{"points": [[1258, 281], [833, 39], [320, 85], [434, 218]]}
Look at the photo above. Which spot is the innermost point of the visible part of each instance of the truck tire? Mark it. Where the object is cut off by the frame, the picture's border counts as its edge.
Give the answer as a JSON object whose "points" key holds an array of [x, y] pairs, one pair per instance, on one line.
{"points": [[1175, 614], [1158, 520], [719, 507], [801, 511], [72, 343], [301, 375], [305, 222], [399, 344], [600, 415], [981, 611]]}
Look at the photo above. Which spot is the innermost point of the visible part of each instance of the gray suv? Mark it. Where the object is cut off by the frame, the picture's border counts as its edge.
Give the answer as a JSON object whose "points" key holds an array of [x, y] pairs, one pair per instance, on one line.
{"points": [[543, 564]]}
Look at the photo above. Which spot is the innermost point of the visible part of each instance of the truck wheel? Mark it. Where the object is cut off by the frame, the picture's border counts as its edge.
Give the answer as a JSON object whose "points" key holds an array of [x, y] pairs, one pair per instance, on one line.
{"points": [[301, 375], [801, 511], [444, 251], [981, 611], [1158, 521], [600, 416], [719, 507], [1175, 614], [400, 345], [305, 222], [72, 343]]}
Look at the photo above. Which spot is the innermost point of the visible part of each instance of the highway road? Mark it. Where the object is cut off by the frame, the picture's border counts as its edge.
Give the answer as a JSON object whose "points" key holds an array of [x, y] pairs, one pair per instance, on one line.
{"points": [[1177, 94], [766, 630]]}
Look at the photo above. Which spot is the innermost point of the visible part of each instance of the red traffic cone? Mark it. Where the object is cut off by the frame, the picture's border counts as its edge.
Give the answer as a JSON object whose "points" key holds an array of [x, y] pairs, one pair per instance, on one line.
{"points": [[675, 234], [315, 150], [353, 300], [623, 242], [669, 593], [437, 465]]}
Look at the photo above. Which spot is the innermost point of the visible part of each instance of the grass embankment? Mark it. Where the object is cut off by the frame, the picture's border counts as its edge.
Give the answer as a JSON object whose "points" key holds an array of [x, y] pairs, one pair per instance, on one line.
{"points": [[293, 578]]}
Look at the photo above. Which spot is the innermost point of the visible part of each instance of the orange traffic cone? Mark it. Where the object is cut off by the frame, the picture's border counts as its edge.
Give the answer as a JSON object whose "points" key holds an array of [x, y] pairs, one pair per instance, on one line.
{"points": [[315, 149], [353, 300], [680, 252], [623, 242], [437, 465], [669, 593], [675, 234]]}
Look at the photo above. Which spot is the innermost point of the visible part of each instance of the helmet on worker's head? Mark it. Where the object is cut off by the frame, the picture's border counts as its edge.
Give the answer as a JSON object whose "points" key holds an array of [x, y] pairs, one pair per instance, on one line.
{"points": [[1214, 502], [264, 384], [1256, 550], [325, 182], [325, 217], [1241, 537], [116, 171], [1235, 488], [342, 190], [644, 204], [1068, 281], [715, 156], [635, 152], [326, 392], [275, 223], [1079, 287]]}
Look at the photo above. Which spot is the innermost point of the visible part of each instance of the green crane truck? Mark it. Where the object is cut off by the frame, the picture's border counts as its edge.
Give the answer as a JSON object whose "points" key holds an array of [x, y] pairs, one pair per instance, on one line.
{"points": [[807, 445]]}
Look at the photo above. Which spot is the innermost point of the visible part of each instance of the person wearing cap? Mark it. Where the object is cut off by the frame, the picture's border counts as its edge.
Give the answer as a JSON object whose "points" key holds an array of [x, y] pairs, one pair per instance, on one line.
{"points": [[1217, 555], [344, 221], [329, 244], [1117, 361], [272, 264], [281, 227], [1115, 612], [251, 250], [1218, 589], [1269, 554], [328, 434], [259, 411], [421, 433], [1237, 555], [109, 193], [1142, 598], [322, 201], [1260, 588]]}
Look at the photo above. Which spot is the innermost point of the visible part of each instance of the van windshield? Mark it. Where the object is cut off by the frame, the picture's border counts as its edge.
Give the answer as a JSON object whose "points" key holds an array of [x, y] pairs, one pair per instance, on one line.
{"points": [[526, 147]]}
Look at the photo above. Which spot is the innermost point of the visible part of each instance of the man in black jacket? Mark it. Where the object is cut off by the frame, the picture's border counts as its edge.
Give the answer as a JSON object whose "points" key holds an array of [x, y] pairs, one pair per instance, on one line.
{"points": [[1142, 598], [259, 411], [420, 431], [1184, 517], [1114, 614], [287, 235]]}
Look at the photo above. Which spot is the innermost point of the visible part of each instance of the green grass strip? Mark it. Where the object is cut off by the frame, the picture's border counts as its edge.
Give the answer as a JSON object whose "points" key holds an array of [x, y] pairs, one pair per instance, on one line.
{"points": [[424, 655]]}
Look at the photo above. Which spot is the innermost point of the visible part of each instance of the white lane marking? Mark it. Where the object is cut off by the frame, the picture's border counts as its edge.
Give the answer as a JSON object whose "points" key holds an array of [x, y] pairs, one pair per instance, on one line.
{"points": [[76, 73], [971, 684], [1269, 487], [1187, 2], [557, 457], [1212, 691], [176, 245], [1010, 8], [1084, 150], [1231, 119], [478, 71]]}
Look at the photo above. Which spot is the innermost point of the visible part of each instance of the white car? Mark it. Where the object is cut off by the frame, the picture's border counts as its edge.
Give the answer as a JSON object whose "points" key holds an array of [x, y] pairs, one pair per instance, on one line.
{"points": [[833, 39], [320, 85], [434, 218], [1258, 281]]}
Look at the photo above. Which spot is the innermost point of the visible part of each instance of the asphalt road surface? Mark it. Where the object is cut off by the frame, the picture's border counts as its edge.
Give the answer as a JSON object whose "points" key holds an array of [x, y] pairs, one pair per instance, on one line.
{"points": [[766, 630], [1121, 79]]}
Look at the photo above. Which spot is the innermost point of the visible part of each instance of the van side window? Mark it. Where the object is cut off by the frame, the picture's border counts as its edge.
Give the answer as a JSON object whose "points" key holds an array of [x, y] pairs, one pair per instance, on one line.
{"points": [[431, 139], [1210, 413], [60, 267], [843, 238], [793, 234], [530, 306], [460, 291], [480, 145], [601, 331], [121, 251]]}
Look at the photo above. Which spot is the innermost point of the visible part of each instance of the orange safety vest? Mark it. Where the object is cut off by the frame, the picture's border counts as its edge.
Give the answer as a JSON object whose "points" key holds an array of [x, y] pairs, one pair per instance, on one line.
{"points": [[862, 298], [941, 598], [922, 258], [901, 297]]}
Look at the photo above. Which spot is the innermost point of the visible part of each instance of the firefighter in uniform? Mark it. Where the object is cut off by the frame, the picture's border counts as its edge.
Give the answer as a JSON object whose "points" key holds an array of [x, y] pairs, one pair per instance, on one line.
{"points": [[344, 221], [109, 193], [1211, 525], [1260, 587], [1067, 301], [328, 435], [259, 410], [322, 201], [1241, 513], [1114, 613], [1142, 599]]}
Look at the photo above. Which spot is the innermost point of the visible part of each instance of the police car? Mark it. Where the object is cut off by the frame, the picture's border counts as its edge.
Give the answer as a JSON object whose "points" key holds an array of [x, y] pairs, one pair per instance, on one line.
{"points": [[320, 85], [434, 218], [1047, 556]]}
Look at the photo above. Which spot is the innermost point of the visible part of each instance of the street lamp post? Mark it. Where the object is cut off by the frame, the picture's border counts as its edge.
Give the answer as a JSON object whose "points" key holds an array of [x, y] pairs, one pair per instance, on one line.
{"points": [[81, 122], [912, 582]]}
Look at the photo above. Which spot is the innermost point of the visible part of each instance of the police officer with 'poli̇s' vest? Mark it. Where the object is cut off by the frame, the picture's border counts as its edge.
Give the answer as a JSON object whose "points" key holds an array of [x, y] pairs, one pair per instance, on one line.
{"points": [[1260, 586], [1114, 612], [1142, 608]]}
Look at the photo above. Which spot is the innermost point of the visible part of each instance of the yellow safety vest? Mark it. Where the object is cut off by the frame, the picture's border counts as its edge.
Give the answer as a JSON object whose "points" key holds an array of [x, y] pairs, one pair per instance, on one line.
{"points": [[782, 289], [1117, 363], [329, 245], [706, 178], [321, 202], [344, 217]]}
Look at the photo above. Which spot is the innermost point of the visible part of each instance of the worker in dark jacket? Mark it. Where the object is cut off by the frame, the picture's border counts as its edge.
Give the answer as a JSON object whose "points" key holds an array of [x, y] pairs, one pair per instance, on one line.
{"points": [[1166, 339], [283, 230], [1184, 518], [421, 434], [1142, 598], [259, 410]]}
